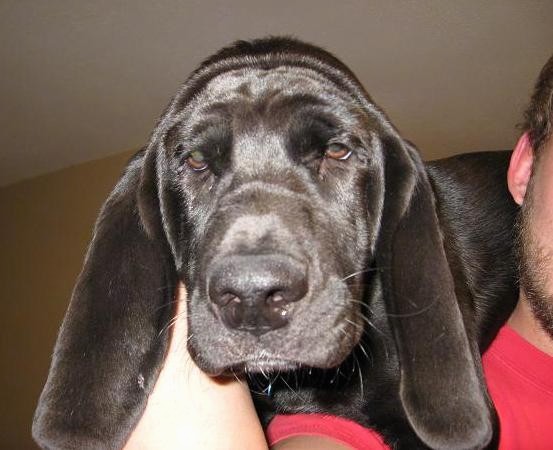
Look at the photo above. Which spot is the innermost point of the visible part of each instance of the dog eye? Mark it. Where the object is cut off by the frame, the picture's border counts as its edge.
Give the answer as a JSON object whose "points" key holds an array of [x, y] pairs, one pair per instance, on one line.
{"points": [[196, 161], [338, 151]]}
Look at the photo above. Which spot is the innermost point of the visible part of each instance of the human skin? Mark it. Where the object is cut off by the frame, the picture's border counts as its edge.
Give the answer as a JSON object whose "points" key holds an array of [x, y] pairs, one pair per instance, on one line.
{"points": [[530, 179]]}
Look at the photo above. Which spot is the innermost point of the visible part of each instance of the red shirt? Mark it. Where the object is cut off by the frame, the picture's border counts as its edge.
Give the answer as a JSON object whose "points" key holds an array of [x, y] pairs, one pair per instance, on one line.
{"points": [[520, 381]]}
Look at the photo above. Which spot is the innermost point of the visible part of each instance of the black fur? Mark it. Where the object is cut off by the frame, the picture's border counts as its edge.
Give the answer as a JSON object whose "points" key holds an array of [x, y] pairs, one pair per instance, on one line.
{"points": [[409, 270]]}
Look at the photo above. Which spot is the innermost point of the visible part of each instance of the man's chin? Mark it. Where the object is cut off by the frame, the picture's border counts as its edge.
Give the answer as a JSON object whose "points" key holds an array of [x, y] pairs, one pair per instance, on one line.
{"points": [[542, 309]]}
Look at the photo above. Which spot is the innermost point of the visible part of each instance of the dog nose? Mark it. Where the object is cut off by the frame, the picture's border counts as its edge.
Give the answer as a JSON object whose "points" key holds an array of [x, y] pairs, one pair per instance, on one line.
{"points": [[254, 292]]}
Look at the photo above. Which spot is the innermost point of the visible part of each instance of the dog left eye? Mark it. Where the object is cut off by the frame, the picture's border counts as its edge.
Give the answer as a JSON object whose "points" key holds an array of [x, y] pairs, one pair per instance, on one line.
{"points": [[338, 151], [196, 161]]}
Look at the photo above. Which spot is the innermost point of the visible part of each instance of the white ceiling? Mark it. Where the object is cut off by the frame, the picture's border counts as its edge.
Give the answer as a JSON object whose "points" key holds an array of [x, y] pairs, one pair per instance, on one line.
{"points": [[84, 79]]}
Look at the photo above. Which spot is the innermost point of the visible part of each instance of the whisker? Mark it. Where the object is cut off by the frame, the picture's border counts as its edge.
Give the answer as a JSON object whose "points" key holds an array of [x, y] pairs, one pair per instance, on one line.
{"points": [[171, 323], [361, 383], [415, 313], [356, 325], [336, 375], [371, 324], [362, 348], [370, 269], [166, 287], [292, 390], [172, 302]]}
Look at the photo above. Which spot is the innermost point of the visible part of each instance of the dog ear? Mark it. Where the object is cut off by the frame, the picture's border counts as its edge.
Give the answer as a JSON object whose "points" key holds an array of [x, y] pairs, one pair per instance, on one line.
{"points": [[440, 382], [110, 346]]}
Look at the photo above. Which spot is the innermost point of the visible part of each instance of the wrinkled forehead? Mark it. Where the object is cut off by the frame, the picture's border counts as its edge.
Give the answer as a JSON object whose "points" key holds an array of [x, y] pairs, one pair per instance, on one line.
{"points": [[264, 91], [256, 82]]}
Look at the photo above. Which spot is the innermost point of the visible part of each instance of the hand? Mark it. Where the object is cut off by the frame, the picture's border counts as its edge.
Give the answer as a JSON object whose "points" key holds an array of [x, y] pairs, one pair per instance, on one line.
{"points": [[190, 410]]}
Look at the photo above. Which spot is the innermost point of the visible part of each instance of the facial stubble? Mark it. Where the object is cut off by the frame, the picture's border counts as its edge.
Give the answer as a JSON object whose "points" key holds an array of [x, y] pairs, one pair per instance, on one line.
{"points": [[535, 265]]}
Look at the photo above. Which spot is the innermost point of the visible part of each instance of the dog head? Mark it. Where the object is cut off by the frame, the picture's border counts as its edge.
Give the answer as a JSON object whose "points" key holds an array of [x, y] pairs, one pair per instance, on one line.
{"points": [[284, 199], [277, 170]]}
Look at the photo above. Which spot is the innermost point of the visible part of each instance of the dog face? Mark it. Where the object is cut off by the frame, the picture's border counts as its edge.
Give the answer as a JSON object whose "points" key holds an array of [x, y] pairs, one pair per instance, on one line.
{"points": [[277, 174], [291, 208]]}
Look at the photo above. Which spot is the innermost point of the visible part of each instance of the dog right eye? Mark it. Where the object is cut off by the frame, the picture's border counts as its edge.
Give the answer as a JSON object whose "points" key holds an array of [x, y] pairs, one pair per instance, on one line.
{"points": [[196, 161], [338, 151]]}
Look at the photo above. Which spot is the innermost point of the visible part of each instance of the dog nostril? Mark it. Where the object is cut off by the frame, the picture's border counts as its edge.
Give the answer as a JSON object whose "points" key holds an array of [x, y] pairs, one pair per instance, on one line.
{"points": [[233, 313], [275, 298], [227, 297]]}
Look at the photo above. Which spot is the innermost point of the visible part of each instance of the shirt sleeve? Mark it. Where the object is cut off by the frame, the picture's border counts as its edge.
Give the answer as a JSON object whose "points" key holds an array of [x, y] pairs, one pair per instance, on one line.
{"points": [[342, 430]]}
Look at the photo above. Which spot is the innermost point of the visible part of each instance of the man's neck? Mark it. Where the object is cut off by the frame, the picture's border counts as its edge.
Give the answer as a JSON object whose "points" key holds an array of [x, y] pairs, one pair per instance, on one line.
{"points": [[524, 323]]}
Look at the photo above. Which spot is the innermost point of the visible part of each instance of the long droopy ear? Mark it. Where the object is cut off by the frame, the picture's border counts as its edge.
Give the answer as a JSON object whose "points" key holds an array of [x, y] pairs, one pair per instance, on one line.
{"points": [[440, 385], [109, 349]]}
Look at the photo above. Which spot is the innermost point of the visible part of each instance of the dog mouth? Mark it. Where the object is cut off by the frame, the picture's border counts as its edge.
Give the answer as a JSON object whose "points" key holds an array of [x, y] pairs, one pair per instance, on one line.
{"points": [[279, 356]]}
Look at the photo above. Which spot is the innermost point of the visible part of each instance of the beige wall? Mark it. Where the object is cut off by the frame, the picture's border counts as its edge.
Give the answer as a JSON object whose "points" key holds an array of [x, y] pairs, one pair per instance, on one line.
{"points": [[45, 226]]}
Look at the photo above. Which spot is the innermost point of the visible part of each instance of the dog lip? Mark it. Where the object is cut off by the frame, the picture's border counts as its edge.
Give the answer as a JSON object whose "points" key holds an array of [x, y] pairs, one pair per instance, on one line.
{"points": [[255, 365]]}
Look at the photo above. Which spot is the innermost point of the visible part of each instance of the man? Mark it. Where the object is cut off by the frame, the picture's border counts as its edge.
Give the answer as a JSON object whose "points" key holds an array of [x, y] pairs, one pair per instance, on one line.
{"points": [[519, 364], [190, 410]]}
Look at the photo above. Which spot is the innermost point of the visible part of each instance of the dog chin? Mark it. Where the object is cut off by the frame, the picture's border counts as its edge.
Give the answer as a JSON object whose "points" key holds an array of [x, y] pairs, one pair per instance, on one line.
{"points": [[251, 367], [266, 364]]}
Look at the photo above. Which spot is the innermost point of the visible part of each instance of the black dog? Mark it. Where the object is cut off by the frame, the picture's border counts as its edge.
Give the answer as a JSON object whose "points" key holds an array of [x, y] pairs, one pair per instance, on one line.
{"points": [[307, 233]]}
